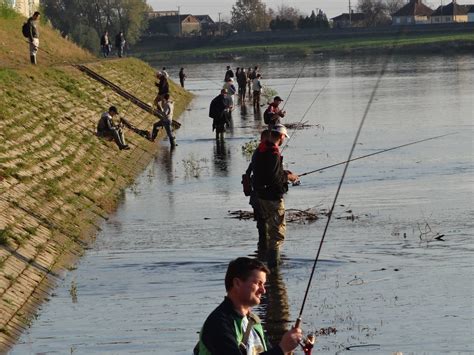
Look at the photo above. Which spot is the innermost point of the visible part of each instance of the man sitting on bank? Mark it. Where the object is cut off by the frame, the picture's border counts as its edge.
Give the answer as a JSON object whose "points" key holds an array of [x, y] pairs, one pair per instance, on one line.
{"points": [[107, 129], [232, 329]]}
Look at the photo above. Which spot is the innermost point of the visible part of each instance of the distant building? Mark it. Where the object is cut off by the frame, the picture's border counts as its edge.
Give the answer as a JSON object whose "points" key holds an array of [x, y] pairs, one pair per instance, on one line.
{"points": [[25, 7], [470, 14], [208, 26], [415, 12], [451, 13], [354, 19], [155, 14], [175, 25]]}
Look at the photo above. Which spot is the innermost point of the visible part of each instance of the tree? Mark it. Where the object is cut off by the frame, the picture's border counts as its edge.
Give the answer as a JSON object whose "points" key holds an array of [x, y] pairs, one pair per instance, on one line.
{"points": [[250, 15], [85, 21], [375, 12], [394, 5], [314, 21]]}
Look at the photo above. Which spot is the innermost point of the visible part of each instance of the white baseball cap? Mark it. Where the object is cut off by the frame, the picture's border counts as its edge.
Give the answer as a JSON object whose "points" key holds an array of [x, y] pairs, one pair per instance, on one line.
{"points": [[280, 129]]}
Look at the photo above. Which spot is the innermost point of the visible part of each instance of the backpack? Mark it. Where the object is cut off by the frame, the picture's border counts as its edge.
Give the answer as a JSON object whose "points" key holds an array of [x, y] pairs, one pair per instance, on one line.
{"points": [[267, 116], [247, 184], [25, 30]]}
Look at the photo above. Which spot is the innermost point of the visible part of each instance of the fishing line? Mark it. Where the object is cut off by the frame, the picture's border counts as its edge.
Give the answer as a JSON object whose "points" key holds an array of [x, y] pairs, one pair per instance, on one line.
{"points": [[375, 153], [294, 85], [304, 115], [366, 112]]}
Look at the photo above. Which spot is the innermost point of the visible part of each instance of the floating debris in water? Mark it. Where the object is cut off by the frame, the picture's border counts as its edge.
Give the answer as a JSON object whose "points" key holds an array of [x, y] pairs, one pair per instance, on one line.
{"points": [[300, 125]]}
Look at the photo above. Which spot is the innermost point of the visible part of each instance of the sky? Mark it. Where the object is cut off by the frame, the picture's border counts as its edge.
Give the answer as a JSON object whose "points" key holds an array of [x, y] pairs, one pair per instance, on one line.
{"points": [[212, 7]]}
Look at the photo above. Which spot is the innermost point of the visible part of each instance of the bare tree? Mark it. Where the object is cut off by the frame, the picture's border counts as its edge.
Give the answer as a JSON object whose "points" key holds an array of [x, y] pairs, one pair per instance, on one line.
{"points": [[375, 11], [394, 5]]}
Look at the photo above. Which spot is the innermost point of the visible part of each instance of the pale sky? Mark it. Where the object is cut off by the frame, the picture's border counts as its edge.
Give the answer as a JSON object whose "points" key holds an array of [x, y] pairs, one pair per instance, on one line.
{"points": [[212, 7]]}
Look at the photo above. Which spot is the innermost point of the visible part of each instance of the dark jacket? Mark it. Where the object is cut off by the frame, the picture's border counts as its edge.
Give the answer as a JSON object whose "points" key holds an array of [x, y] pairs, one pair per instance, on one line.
{"points": [[269, 179], [221, 333], [163, 86], [217, 107], [105, 124], [33, 29], [228, 74]]}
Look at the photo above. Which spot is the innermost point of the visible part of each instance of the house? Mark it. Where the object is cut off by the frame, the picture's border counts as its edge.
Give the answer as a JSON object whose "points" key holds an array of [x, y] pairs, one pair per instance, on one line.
{"points": [[208, 26], [25, 7], [413, 13], [178, 25], [354, 19], [450, 13], [470, 14]]}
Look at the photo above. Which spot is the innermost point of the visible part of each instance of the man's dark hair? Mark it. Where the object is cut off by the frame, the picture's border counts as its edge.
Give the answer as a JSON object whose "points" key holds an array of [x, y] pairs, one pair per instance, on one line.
{"points": [[242, 268], [37, 13], [113, 109]]}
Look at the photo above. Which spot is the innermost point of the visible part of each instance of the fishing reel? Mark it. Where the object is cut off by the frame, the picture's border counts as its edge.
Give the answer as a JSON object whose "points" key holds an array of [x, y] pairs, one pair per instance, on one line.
{"points": [[296, 183]]}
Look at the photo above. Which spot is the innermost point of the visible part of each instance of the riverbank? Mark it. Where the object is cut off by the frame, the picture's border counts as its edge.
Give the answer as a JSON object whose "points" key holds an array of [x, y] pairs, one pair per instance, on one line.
{"points": [[58, 181], [323, 44]]}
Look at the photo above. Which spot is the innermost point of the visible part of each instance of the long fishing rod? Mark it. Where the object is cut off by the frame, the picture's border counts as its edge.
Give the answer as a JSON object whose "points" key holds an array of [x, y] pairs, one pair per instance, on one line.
{"points": [[369, 104], [294, 85], [304, 115], [375, 153]]}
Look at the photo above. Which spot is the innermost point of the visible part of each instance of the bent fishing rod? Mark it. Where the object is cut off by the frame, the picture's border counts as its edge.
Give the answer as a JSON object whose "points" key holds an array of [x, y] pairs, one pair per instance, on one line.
{"points": [[375, 153], [356, 138]]}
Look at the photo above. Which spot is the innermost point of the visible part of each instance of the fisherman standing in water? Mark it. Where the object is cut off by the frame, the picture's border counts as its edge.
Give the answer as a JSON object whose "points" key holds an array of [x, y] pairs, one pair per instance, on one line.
{"points": [[271, 183], [232, 329]]}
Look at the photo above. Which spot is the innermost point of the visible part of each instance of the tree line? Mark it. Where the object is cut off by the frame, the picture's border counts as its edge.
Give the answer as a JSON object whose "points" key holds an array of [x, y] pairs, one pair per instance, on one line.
{"points": [[253, 15], [85, 21]]}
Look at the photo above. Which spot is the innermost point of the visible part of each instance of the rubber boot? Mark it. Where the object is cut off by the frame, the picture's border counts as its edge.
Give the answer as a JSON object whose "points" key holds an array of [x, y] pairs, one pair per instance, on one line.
{"points": [[33, 59]]}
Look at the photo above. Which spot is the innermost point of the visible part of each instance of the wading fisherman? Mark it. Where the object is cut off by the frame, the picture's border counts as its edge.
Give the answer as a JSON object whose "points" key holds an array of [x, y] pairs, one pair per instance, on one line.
{"points": [[166, 114], [273, 113], [33, 35], [228, 74], [232, 329], [242, 82], [182, 77], [270, 181], [219, 112], [107, 129], [249, 190], [256, 91]]}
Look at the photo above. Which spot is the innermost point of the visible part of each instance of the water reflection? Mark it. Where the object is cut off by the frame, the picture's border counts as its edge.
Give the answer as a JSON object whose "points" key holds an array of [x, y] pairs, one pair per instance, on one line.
{"points": [[274, 307], [222, 158]]}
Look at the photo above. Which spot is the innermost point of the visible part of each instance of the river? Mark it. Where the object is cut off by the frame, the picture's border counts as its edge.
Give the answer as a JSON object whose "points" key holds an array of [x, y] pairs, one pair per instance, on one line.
{"points": [[157, 267]]}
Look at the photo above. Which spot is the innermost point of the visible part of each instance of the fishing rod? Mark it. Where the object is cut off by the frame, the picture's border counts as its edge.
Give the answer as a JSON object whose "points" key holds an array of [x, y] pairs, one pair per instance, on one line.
{"points": [[356, 138], [294, 85], [375, 153], [304, 115]]}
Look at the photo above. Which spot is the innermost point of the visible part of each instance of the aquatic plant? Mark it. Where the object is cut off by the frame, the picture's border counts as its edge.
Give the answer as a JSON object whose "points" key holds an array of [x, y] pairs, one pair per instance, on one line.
{"points": [[249, 147], [268, 93], [192, 166]]}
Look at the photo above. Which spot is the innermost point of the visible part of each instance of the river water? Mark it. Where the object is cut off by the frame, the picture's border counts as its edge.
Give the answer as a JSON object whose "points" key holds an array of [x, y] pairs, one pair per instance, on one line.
{"points": [[156, 270]]}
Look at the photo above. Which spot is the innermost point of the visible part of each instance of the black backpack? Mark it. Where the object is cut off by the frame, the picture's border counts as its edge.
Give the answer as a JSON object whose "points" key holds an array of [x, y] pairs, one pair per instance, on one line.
{"points": [[25, 29]]}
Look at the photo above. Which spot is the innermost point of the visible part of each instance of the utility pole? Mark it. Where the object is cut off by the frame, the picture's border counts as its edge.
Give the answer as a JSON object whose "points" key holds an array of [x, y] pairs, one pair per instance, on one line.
{"points": [[350, 14], [179, 22], [220, 25]]}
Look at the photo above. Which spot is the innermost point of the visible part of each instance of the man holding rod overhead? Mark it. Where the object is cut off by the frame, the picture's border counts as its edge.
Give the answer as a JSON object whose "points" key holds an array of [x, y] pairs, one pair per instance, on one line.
{"points": [[270, 182]]}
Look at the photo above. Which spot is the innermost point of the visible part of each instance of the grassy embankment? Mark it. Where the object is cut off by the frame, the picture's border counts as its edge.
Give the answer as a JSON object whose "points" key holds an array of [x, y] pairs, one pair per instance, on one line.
{"points": [[362, 44], [58, 181]]}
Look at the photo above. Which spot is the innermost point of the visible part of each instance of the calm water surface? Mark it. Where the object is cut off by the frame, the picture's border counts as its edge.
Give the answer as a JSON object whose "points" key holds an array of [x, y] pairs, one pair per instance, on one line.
{"points": [[157, 267]]}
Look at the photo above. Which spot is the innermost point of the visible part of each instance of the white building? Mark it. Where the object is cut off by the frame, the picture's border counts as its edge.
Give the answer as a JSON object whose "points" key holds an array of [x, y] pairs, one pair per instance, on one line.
{"points": [[25, 7]]}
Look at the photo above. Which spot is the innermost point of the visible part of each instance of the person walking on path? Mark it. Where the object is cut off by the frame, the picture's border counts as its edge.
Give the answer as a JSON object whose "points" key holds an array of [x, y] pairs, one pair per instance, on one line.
{"points": [[166, 111], [105, 44], [182, 77], [120, 43], [232, 328], [163, 88], [273, 113], [257, 90], [228, 74], [271, 183], [33, 35], [107, 129]]}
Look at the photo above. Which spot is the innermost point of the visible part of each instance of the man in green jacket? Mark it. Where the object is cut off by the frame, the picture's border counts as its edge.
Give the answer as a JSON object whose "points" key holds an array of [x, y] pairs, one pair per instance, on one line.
{"points": [[232, 329]]}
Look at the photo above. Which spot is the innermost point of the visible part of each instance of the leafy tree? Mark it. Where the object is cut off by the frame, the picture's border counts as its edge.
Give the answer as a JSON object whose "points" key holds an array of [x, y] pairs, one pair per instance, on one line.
{"points": [[376, 12], [250, 15], [79, 19]]}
